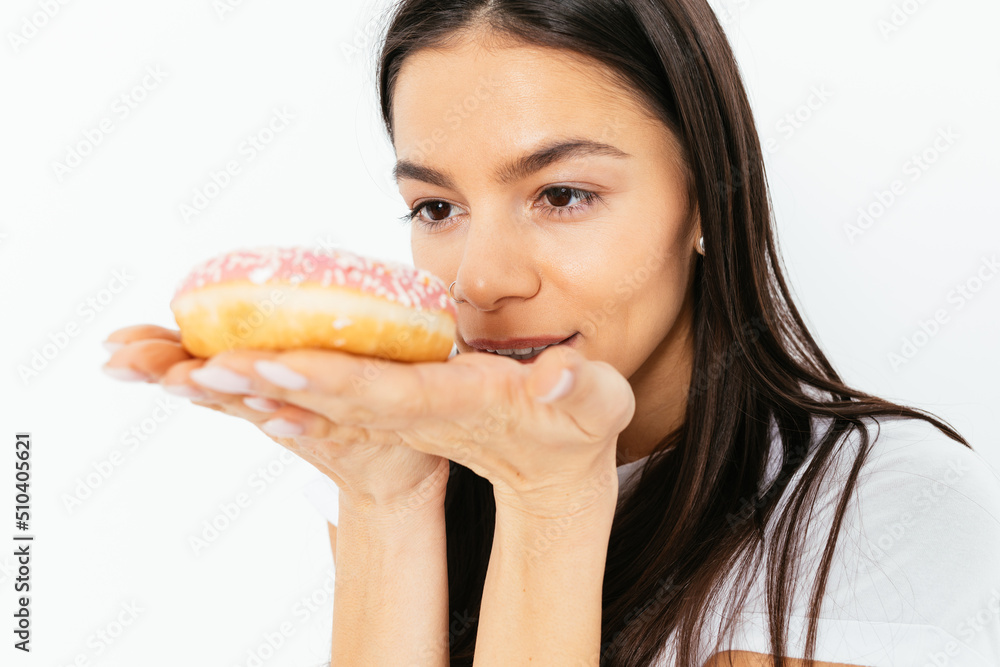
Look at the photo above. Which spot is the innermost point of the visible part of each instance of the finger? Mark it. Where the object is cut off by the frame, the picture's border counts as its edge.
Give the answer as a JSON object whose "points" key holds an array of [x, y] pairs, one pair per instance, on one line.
{"points": [[130, 334], [292, 421], [592, 393], [146, 360], [287, 421], [359, 391], [178, 382]]}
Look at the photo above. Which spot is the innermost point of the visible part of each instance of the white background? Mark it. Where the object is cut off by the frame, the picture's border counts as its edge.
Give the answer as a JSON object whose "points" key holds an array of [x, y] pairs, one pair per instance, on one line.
{"points": [[324, 179]]}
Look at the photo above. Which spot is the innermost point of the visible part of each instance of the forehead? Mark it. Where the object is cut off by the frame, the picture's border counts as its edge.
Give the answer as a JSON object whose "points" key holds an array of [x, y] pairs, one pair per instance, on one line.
{"points": [[517, 93]]}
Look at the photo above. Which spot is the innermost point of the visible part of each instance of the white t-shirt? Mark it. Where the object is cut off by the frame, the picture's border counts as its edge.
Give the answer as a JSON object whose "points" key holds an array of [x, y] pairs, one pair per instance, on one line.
{"points": [[915, 577]]}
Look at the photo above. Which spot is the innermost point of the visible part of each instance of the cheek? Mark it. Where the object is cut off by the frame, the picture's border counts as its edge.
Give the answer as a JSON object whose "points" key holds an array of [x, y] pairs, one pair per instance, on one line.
{"points": [[434, 256]]}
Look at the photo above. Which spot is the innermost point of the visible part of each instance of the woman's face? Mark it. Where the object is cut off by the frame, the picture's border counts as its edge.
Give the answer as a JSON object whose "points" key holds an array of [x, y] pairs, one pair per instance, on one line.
{"points": [[545, 242]]}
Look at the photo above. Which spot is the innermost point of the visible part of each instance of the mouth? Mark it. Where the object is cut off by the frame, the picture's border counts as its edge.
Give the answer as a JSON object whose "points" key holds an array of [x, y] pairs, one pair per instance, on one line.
{"points": [[527, 355]]}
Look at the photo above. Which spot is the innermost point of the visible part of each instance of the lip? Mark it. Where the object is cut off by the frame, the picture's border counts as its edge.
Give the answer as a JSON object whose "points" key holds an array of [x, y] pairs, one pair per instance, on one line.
{"points": [[483, 344], [568, 341]]}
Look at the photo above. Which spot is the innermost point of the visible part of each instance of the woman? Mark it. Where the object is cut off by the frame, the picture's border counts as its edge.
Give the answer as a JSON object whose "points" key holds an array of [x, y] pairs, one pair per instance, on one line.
{"points": [[587, 174]]}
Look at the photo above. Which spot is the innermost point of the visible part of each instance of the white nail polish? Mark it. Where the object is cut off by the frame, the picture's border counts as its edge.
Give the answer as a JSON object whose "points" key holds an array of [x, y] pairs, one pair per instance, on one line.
{"points": [[221, 379], [281, 375], [111, 347], [261, 404], [124, 374], [562, 387], [282, 428], [184, 391]]}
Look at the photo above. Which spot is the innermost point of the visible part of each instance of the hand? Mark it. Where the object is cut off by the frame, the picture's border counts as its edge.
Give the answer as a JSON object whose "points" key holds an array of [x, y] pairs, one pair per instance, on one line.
{"points": [[547, 459], [371, 467]]}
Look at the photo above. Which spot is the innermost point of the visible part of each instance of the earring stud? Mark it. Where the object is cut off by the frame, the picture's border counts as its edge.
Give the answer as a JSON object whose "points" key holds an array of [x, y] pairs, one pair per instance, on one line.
{"points": [[450, 287], [701, 244]]}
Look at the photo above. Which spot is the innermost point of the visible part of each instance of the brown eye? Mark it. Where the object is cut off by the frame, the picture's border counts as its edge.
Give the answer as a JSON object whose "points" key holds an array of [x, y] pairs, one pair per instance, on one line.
{"points": [[559, 197], [436, 208]]}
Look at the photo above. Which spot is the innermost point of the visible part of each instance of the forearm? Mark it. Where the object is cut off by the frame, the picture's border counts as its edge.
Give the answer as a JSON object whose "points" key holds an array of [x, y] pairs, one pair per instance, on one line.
{"points": [[542, 599], [391, 590]]}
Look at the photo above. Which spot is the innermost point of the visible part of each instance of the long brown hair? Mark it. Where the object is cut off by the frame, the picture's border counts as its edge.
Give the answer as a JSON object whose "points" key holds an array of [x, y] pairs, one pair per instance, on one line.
{"points": [[674, 538]]}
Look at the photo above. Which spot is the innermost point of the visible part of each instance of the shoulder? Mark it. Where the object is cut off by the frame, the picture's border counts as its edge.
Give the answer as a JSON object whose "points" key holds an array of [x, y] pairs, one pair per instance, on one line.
{"points": [[914, 470], [921, 499], [919, 546], [912, 473]]}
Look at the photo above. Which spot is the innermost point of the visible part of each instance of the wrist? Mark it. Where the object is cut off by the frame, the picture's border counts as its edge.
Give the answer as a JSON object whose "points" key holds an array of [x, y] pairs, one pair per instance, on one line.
{"points": [[416, 510], [426, 498], [594, 498], [584, 522]]}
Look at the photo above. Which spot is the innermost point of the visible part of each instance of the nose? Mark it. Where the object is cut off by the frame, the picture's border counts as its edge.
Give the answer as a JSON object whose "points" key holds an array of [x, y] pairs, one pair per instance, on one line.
{"points": [[498, 263]]}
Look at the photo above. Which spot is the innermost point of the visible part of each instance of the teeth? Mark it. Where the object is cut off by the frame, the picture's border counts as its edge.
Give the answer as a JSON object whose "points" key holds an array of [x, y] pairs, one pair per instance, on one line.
{"points": [[525, 350], [522, 353]]}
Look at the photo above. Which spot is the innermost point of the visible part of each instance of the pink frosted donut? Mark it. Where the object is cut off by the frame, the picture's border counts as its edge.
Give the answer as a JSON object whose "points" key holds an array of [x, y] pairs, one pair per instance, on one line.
{"points": [[271, 298]]}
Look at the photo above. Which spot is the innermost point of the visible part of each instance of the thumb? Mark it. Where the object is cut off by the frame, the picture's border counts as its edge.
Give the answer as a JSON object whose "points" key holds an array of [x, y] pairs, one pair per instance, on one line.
{"points": [[599, 397]]}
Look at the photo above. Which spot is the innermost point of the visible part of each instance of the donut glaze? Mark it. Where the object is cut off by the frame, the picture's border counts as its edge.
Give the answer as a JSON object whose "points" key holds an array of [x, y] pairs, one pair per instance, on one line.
{"points": [[284, 298]]}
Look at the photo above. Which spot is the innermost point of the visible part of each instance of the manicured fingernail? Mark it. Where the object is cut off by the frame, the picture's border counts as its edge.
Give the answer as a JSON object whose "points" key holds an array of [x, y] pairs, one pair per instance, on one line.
{"points": [[221, 379], [282, 427], [185, 391], [281, 375], [124, 374], [562, 387], [261, 404], [111, 346]]}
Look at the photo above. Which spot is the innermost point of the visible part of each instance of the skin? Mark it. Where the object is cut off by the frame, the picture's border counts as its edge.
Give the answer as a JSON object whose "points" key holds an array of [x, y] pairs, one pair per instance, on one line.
{"points": [[533, 261], [618, 271]]}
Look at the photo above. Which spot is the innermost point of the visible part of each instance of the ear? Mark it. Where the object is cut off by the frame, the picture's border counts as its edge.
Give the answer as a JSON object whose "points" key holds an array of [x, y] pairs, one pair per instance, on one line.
{"points": [[694, 222]]}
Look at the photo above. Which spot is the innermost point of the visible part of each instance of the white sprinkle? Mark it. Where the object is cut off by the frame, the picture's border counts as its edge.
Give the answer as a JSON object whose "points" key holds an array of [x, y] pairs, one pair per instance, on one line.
{"points": [[261, 275]]}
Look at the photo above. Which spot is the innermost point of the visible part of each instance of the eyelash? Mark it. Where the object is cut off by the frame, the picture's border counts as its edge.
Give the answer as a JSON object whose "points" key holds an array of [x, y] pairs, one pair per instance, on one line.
{"points": [[588, 197]]}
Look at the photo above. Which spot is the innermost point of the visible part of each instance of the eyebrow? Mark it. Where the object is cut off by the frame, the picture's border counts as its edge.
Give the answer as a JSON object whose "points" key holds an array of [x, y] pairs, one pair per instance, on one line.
{"points": [[520, 168]]}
